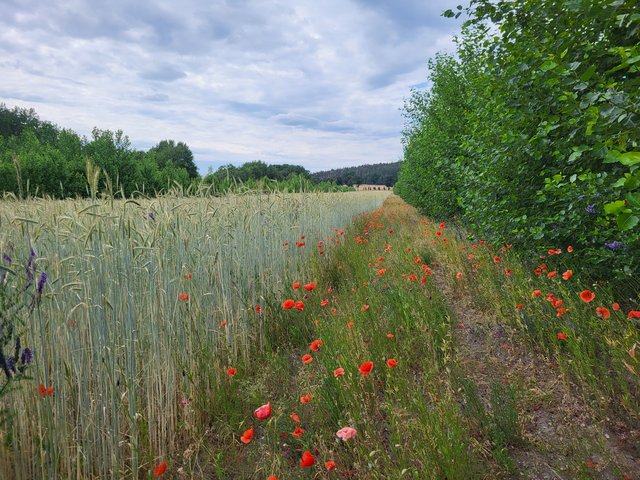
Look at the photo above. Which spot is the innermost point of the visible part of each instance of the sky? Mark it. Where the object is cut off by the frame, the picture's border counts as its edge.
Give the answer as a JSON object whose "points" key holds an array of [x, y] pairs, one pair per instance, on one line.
{"points": [[317, 83]]}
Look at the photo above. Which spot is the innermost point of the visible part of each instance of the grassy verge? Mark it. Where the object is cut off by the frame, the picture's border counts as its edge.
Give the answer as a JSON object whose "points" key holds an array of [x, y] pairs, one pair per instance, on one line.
{"points": [[373, 302], [416, 413]]}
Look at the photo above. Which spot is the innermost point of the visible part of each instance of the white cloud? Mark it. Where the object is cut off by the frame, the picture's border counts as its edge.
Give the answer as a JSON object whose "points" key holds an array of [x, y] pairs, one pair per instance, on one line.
{"points": [[314, 83]]}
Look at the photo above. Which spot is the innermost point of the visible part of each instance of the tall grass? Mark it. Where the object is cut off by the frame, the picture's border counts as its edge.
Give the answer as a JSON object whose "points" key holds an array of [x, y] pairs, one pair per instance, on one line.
{"points": [[112, 335]]}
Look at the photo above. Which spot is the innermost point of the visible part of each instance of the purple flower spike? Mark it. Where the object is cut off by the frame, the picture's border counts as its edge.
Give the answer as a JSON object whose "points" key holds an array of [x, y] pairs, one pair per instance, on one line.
{"points": [[42, 281]]}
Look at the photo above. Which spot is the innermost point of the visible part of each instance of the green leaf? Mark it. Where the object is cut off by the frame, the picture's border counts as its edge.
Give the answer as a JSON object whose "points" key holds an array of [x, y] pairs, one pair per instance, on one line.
{"points": [[633, 199], [632, 182], [614, 207], [626, 221], [629, 158], [612, 156], [588, 73], [548, 65]]}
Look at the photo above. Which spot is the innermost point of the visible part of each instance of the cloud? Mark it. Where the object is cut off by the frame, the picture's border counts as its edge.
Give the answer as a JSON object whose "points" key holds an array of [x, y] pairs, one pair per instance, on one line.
{"points": [[319, 84]]}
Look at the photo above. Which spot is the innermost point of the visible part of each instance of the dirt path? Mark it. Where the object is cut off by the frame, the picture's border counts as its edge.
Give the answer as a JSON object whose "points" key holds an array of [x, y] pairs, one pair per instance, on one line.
{"points": [[562, 439]]}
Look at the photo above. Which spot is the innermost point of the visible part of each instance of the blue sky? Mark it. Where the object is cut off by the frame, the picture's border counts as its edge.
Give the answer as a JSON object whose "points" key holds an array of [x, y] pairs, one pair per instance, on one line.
{"points": [[317, 83]]}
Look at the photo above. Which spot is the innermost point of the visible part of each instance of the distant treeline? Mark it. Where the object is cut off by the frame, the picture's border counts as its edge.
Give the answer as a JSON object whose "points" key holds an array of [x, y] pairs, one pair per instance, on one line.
{"points": [[39, 158], [377, 174], [258, 175]]}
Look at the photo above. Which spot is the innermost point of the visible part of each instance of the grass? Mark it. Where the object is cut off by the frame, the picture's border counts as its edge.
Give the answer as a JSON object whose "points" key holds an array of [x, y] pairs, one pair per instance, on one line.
{"points": [[141, 376], [113, 337]]}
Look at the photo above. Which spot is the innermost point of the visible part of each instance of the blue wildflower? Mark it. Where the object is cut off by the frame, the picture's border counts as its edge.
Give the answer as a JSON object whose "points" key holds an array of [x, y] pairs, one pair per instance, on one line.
{"points": [[591, 208]]}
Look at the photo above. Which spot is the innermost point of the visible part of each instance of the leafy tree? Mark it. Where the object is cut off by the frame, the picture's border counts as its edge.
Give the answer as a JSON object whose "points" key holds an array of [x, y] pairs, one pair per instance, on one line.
{"points": [[169, 153], [531, 134]]}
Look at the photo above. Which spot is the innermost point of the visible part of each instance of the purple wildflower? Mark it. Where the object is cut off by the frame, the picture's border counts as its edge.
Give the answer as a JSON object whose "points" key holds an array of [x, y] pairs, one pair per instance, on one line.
{"points": [[591, 208], [27, 356], [7, 258], [615, 245], [41, 282]]}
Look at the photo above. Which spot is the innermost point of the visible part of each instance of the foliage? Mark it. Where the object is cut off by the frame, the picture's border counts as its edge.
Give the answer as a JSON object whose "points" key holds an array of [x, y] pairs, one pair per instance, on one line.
{"points": [[376, 174], [178, 155], [531, 132], [38, 158], [19, 296]]}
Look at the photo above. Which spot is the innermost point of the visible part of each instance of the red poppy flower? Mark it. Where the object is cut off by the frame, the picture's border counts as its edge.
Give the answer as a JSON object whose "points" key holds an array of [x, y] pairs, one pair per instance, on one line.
{"points": [[338, 372], [231, 371], [536, 293], [507, 271], [263, 412], [188, 276], [567, 275], [330, 465], [390, 335], [159, 470], [288, 304], [569, 249], [294, 416], [562, 336], [519, 306], [46, 391], [309, 286], [306, 398], [315, 345], [496, 259], [587, 295], [296, 285], [297, 432], [324, 303], [184, 297], [552, 274], [307, 459], [223, 323], [365, 368], [365, 307], [392, 362], [603, 312], [258, 309], [633, 314], [459, 275], [381, 271], [306, 358], [247, 436], [561, 311], [272, 477], [299, 305], [441, 226], [350, 324]]}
